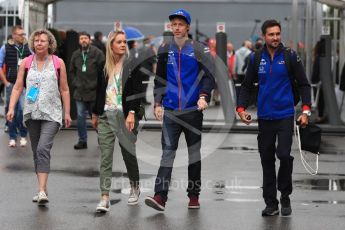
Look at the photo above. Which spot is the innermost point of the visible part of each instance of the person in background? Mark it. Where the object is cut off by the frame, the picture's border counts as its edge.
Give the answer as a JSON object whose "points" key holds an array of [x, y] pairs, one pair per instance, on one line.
{"points": [[213, 51], [231, 58], [148, 63], [86, 64], [98, 41], [240, 58], [12, 55], [315, 79]]}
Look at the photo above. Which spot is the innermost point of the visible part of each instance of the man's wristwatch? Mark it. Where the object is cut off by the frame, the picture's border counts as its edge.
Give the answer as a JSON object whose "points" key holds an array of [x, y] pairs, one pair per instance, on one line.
{"points": [[307, 112]]}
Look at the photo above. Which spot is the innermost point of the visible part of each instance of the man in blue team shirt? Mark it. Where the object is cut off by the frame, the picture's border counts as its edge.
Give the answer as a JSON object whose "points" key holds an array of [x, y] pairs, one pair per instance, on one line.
{"points": [[183, 85], [12, 54], [275, 104]]}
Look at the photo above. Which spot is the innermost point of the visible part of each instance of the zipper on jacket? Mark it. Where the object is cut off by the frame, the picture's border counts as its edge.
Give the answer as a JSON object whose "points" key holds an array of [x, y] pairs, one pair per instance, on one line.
{"points": [[271, 64], [179, 80], [270, 68]]}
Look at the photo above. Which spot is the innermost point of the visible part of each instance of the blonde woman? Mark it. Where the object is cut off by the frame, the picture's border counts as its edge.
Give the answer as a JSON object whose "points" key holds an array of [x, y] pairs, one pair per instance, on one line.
{"points": [[44, 76], [115, 115]]}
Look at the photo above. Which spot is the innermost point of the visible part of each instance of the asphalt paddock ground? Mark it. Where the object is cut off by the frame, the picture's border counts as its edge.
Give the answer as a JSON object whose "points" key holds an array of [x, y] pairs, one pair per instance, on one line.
{"points": [[230, 197]]}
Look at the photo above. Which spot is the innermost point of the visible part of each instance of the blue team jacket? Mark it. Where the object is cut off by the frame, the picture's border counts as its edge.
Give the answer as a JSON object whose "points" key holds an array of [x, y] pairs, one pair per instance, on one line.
{"points": [[178, 83], [275, 97]]}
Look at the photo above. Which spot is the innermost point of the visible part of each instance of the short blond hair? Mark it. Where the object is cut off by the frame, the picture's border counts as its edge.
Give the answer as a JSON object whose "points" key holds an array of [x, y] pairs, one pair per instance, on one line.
{"points": [[51, 40]]}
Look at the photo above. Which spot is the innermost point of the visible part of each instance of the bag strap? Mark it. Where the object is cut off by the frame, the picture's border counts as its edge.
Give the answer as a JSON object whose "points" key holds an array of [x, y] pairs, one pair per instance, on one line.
{"points": [[57, 65], [287, 59], [28, 62], [197, 50], [305, 164], [257, 60]]}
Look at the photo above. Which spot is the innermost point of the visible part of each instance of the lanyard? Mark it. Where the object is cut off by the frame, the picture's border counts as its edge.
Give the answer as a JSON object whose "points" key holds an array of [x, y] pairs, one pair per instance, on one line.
{"points": [[118, 83], [84, 56], [21, 53], [40, 73]]}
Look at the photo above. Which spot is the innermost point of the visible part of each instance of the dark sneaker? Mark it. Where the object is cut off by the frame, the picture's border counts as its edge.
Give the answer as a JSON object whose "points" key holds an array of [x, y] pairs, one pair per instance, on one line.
{"points": [[285, 206], [193, 202], [81, 145], [155, 202], [270, 211]]}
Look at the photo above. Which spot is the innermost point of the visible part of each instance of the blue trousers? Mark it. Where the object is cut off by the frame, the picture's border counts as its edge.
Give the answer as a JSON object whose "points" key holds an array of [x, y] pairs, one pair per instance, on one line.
{"points": [[174, 123], [83, 108], [16, 126]]}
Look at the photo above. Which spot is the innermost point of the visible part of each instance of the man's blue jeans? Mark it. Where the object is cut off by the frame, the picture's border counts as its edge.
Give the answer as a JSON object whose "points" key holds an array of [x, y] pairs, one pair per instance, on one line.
{"points": [[83, 107], [174, 123], [17, 124]]}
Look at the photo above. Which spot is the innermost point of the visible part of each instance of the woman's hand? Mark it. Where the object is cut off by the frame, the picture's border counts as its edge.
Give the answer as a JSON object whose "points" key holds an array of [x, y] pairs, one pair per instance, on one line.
{"points": [[68, 120], [94, 121], [10, 115], [130, 122]]}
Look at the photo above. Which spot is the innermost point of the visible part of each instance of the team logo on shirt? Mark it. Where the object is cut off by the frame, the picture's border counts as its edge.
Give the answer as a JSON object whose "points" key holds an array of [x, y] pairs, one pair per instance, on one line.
{"points": [[170, 57], [263, 62], [262, 70], [282, 62]]}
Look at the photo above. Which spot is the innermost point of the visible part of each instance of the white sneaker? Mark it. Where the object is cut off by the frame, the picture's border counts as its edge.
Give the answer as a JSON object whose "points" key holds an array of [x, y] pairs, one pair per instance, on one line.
{"points": [[42, 198], [35, 198], [23, 141], [12, 143], [103, 206], [133, 198]]}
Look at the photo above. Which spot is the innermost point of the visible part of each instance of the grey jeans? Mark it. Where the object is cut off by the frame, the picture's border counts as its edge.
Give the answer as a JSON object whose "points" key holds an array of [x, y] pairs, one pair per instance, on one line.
{"points": [[42, 135]]}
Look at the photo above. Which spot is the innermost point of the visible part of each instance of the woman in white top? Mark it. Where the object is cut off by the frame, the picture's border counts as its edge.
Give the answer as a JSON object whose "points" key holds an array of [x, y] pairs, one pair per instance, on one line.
{"points": [[44, 76]]}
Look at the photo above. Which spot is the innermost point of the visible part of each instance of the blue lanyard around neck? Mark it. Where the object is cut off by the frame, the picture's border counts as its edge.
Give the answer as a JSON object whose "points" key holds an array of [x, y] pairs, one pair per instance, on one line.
{"points": [[40, 73]]}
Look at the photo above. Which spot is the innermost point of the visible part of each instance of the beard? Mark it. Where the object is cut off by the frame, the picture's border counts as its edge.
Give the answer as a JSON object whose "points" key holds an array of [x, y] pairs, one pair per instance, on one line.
{"points": [[273, 45], [84, 46]]}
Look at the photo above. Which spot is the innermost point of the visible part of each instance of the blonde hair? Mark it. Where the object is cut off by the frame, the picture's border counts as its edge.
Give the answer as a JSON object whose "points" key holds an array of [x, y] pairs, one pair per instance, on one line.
{"points": [[51, 40], [112, 59]]}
